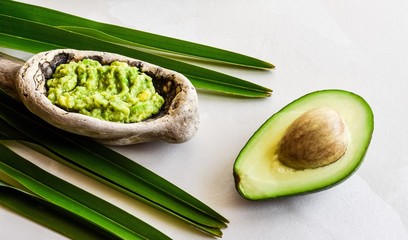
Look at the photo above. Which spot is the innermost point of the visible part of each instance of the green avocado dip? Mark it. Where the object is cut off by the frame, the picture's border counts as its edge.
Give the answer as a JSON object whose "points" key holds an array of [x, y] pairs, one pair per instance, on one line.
{"points": [[116, 92]]}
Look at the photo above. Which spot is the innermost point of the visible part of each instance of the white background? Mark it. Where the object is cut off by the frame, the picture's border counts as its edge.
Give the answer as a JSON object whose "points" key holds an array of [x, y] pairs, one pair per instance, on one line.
{"points": [[360, 46]]}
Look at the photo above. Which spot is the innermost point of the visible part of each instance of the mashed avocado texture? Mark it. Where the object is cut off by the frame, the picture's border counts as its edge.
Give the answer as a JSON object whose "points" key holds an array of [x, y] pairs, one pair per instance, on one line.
{"points": [[116, 92]]}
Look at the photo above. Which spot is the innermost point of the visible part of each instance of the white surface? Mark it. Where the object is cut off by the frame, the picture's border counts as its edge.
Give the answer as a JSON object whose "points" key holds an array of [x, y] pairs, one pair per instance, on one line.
{"points": [[360, 46]]}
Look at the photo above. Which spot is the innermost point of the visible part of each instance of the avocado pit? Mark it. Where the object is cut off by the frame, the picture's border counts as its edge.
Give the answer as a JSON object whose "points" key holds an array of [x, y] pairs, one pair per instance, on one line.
{"points": [[316, 139]]}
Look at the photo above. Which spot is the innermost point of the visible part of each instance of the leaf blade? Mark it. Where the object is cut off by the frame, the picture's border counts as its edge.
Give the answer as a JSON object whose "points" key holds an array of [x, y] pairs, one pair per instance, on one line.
{"points": [[135, 183], [141, 38], [48, 215], [205, 84], [41, 33], [77, 201]]}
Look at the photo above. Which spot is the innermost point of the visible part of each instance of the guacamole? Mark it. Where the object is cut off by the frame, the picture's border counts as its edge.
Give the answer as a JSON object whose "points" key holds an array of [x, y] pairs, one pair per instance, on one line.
{"points": [[116, 92]]}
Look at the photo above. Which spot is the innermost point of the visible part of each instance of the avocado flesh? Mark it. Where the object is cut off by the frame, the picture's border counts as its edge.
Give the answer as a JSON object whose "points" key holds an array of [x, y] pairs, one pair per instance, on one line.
{"points": [[257, 170]]}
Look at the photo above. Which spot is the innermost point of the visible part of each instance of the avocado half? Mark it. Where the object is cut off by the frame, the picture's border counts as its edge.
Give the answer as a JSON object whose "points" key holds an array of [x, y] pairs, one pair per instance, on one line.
{"points": [[259, 173]]}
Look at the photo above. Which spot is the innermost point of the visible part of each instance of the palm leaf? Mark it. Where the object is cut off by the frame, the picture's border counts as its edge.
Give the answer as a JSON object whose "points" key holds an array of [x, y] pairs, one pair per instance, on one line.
{"points": [[74, 201], [40, 36], [49, 215], [108, 166], [134, 37]]}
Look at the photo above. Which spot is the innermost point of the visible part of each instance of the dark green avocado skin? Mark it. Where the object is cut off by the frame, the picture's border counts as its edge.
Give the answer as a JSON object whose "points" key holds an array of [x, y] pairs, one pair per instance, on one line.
{"points": [[362, 109]]}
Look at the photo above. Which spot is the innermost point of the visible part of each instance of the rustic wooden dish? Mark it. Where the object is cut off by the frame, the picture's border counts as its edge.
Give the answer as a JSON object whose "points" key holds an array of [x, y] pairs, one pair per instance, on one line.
{"points": [[176, 122]]}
